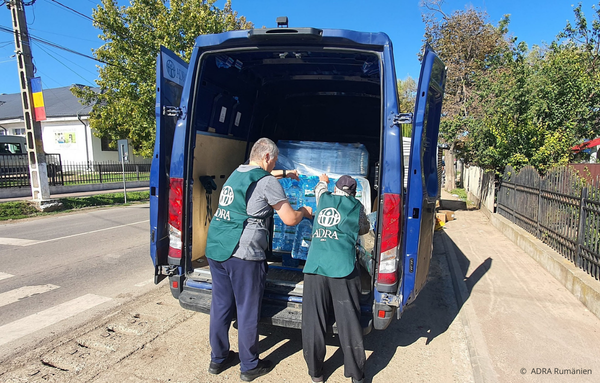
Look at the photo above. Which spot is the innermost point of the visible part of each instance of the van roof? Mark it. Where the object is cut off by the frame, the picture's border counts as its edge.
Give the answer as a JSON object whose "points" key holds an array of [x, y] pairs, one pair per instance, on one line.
{"points": [[309, 36], [12, 139]]}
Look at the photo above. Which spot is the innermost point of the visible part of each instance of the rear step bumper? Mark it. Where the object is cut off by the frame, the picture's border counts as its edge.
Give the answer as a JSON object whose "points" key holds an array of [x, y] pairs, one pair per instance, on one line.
{"points": [[274, 312]]}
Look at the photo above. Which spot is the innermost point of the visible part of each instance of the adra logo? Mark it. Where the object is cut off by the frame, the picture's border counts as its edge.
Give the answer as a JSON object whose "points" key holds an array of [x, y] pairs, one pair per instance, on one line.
{"points": [[226, 197], [329, 217]]}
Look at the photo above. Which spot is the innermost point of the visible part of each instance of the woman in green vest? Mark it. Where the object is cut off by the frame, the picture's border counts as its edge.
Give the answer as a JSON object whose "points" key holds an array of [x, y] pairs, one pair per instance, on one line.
{"points": [[332, 280], [235, 249]]}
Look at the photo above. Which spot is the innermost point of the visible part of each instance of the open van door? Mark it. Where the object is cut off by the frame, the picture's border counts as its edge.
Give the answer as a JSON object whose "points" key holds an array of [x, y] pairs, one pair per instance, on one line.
{"points": [[422, 188], [170, 77]]}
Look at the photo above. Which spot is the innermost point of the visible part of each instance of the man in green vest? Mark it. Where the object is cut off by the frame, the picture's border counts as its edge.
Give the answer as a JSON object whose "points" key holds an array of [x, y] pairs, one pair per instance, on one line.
{"points": [[332, 280], [238, 236]]}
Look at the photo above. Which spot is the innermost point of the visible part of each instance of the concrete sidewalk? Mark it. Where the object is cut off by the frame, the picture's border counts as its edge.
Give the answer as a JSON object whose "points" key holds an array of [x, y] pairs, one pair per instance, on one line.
{"points": [[522, 324]]}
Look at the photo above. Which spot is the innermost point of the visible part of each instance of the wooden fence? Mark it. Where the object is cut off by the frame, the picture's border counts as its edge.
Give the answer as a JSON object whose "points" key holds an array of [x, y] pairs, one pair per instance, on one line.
{"points": [[562, 209]]}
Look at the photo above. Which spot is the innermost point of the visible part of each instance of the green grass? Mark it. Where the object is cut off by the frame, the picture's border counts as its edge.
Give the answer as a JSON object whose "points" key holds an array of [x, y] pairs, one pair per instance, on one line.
{"points": [[22, 209], [461, 193]]}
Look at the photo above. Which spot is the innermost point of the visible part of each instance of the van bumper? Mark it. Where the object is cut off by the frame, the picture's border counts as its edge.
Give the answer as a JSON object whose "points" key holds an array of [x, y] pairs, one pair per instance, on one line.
{"points": [[273, 312]]}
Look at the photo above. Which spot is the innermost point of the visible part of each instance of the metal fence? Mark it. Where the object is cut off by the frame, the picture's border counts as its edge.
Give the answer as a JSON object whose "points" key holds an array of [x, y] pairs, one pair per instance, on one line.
{"points": [[561, 209], [14, 171]]}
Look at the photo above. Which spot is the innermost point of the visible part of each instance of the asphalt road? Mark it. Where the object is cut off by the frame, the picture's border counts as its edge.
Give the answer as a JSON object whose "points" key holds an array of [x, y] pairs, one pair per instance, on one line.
{"points": [[69, 266]]}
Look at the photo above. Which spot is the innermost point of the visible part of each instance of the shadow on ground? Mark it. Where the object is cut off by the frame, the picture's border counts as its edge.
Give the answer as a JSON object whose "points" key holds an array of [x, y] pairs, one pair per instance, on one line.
{"points": [[427, 317]]}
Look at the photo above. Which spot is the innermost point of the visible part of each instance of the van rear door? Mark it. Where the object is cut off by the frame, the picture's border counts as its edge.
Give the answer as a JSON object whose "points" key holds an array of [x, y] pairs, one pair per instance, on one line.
{"points": [[170, 77], [422, 188]]}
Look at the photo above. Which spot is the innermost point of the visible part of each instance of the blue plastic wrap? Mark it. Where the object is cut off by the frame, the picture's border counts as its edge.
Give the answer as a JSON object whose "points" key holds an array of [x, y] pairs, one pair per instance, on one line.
{"points": [[334, 158]]}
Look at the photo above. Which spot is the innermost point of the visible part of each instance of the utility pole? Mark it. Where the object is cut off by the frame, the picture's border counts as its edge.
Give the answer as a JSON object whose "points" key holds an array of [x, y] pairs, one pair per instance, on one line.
{"points": [[40, 189]]}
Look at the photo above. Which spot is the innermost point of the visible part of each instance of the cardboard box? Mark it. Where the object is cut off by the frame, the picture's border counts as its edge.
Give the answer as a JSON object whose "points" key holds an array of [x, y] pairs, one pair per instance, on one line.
{"points": [[449, 215], [441, 217]]}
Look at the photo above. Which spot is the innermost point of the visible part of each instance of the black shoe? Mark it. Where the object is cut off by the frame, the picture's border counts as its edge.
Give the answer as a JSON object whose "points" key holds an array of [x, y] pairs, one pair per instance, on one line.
{"points": [[217, 368], [263, 368], [358, 380]]}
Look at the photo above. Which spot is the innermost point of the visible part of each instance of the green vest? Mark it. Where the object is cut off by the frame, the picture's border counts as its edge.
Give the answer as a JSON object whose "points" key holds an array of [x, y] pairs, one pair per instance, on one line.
{"points": [[332, 252], [228, 221]]}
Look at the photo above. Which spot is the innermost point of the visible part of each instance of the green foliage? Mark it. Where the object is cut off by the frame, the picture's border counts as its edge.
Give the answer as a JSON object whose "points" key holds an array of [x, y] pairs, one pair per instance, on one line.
{"points": [[537, 104], [464, 40], [132, 35], [70, 203], [22, 209], [15, 210]]}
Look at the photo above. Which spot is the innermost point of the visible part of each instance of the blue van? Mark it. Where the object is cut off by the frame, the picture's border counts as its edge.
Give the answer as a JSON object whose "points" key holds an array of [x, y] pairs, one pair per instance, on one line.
{"points": [[303, 84]]}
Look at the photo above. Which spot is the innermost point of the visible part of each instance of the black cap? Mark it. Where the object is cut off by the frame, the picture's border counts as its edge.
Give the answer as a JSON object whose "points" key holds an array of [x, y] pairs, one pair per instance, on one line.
{"points": [[347, 184]]}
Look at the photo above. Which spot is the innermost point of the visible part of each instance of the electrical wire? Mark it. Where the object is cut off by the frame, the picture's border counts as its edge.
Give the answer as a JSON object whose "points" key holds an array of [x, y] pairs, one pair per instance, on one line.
{"points": [[44, 41], [63, 64], [71, 9]]}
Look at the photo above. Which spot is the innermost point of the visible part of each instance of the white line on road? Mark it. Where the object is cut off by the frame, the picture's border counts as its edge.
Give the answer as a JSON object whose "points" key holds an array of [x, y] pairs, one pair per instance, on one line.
{"points": [[24, 292], [29, 242], [17, 241], [28, 325], [5, 276]]}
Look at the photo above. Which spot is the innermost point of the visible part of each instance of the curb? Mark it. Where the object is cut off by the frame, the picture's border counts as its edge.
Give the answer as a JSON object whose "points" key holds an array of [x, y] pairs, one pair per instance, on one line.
{"points": [[578, 282]]}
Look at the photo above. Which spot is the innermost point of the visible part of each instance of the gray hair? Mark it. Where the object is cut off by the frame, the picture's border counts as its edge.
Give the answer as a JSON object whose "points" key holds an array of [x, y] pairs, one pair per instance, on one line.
{"points": [[261, 148]]}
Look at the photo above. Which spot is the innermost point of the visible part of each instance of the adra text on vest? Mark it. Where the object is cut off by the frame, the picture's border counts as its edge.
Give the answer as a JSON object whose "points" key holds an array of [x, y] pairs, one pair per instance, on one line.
{"points": [[325, 233], [222, 214]]}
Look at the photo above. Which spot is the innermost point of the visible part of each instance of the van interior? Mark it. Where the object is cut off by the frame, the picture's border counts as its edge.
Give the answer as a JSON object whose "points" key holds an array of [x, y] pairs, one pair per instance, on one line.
{"points": [[313, 94]]}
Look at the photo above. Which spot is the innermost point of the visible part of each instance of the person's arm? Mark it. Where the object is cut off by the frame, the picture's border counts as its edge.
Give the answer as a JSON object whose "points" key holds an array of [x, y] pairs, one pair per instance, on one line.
{"points": [[289, 216], [363, 222], [321, 187], [293, 174]]}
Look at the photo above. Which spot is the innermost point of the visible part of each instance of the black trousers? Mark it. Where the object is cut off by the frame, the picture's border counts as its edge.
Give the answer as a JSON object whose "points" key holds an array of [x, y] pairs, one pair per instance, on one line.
{"points": [[321, 296]]}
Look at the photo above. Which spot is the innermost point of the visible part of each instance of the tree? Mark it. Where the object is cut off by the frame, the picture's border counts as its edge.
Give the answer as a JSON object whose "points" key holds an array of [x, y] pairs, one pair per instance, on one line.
{"points": [[539, 103], [407, 93], [124, 107], [464, 40]]}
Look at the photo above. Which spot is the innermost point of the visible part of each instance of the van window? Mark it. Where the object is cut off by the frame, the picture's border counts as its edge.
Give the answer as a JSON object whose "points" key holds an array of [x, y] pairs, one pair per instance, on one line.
{"points": [[11, 148]]}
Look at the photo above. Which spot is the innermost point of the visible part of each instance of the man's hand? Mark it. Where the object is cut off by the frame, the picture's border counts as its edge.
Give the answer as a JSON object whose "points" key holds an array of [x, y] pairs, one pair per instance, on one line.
{"points": [[293, 174], [307, 211], [323, 177]]}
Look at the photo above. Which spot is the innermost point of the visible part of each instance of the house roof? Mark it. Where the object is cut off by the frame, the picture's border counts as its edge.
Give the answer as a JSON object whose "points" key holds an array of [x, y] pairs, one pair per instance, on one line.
{"points": [[59, 102], [586, 145]]}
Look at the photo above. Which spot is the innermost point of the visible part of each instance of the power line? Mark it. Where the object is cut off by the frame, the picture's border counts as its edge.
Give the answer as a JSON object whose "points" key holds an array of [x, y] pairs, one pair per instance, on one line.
{"points": [[43, 41], [65, 65], [72, 10]]}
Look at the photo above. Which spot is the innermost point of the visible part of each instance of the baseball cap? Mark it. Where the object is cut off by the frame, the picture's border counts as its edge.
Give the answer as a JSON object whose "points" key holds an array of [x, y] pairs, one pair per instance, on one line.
{"points": [[347, 184]]}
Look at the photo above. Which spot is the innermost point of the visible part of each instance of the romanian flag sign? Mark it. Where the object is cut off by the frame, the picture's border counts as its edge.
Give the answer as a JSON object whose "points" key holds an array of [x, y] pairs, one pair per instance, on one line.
{"points": [[38, 99]]}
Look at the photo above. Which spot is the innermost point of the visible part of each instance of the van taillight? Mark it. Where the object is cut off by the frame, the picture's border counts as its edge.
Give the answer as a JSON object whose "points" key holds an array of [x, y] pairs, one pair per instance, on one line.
{"points": [[175, 217], [390, 238]]}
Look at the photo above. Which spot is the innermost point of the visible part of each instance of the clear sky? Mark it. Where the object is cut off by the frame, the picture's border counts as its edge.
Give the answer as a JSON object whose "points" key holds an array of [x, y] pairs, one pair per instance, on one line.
{"points": [[532, 21]]}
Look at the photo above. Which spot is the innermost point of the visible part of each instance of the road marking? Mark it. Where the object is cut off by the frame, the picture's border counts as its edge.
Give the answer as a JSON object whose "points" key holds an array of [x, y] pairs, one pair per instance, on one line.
{"points": [[141, 284], [24, 292], [30, 242], [5, 276], [28, 325], [17, 241]]}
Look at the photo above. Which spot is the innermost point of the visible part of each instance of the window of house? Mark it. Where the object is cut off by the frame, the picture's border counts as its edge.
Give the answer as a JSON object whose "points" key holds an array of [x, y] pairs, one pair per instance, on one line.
{"points": [[105, 144], [19, 132]]}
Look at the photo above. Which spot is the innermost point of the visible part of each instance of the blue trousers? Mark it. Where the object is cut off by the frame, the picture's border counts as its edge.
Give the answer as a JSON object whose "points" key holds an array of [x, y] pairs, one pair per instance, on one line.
{"points": [[237, 284]]}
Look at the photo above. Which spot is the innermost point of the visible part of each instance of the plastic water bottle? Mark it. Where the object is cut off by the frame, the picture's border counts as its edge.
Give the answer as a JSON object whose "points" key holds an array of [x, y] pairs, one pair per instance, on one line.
{"points": [[308, 186], [294, 195], [289, 233], [302, 240], [277, 232]]}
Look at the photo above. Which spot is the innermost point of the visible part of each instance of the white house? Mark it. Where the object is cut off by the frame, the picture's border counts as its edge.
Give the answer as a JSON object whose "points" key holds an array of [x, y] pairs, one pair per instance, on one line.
{"points": [[66, 130]]}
